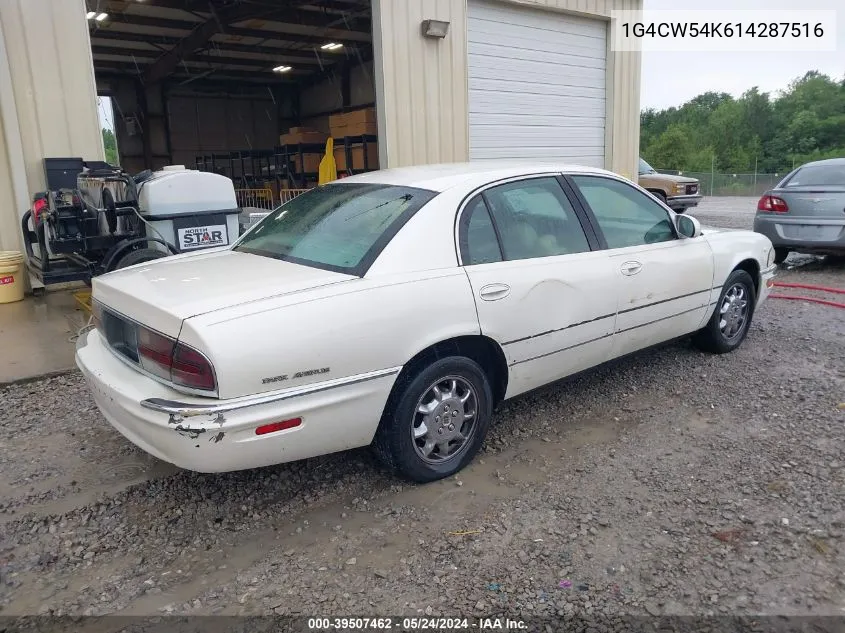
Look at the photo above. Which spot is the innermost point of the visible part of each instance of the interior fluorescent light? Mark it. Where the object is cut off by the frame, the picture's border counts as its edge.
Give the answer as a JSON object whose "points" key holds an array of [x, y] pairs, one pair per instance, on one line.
{"points": [[282, 69], [101, 17], [90, 15], [331, 46]]}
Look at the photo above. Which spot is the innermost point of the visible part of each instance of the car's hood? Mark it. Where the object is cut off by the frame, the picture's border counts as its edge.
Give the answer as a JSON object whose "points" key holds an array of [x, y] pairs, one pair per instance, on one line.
{"points": [[164, 292], [669, 178]]}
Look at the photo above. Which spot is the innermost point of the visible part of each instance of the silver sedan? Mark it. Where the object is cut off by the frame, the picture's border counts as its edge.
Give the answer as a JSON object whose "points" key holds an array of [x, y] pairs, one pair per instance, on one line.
{"points": [[806, 211]]}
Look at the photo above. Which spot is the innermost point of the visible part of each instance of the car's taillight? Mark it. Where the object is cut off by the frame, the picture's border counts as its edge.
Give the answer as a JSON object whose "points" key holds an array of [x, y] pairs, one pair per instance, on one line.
{"points": [[155, 352], [772, 204], [97, 315], [173, 361], [191, 369]]}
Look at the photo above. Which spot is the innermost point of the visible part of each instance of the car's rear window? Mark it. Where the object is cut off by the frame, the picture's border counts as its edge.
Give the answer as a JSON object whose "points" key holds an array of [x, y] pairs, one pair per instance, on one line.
{"points": [[818, 175], [340, 227]]}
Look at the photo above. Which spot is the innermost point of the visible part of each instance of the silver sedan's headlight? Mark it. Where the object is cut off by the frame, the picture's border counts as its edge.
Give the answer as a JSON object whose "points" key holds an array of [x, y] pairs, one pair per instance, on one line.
{"points": [[770, 257]]}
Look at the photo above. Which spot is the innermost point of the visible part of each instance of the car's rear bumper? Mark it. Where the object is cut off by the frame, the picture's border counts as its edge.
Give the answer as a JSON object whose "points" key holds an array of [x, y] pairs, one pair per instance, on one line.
{"points": [[683, 202], [210, 435], [822, 235]]}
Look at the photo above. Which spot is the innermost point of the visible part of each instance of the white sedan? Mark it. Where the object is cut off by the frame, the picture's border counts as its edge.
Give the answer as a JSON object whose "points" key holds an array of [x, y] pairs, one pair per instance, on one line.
{"points": [[399, 307]]}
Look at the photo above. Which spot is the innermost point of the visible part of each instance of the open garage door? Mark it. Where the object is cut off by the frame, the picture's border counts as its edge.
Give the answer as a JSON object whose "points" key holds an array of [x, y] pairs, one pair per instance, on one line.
{"points": [[536, 84], [251, 89]]}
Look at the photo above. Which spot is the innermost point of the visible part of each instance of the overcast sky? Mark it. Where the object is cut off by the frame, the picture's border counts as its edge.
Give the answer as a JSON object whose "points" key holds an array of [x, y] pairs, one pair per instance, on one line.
{"points": [[673, 79]]}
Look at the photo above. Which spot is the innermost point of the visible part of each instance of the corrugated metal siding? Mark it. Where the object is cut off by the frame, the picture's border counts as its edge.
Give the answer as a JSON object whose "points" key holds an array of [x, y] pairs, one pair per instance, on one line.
{"points": [[422, 83], [48, 57]]}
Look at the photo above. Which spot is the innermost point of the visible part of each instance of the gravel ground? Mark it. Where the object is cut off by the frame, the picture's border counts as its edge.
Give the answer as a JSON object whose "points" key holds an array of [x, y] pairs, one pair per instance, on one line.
{"points": [[672, 483]]}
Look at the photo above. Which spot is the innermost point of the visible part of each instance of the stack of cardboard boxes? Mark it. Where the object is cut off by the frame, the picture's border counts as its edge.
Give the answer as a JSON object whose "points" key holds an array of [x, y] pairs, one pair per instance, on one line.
{"points": [[346, 129], [351, 125], [301, 136]]}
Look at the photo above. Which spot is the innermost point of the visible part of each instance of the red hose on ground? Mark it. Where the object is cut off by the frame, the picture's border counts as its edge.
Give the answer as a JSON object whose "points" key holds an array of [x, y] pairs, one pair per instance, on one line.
{"points": [[810, 299], [809, 287]]}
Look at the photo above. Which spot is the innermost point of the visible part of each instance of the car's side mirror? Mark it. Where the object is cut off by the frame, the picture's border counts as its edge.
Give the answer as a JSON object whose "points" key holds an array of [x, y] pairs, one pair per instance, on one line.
{"points": [[688, 226]]}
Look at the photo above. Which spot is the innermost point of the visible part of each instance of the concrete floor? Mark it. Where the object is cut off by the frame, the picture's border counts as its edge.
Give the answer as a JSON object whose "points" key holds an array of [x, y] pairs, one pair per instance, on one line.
{"points": [[36, 333]]}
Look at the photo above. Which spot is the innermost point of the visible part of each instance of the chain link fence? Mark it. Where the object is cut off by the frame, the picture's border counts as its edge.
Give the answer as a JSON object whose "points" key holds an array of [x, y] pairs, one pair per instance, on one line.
{"points": [[713, 184]]}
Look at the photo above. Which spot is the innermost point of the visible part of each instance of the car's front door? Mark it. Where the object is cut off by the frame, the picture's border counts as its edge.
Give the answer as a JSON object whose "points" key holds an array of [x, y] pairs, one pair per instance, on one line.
{"points": [[542, 288], [664, 280]]}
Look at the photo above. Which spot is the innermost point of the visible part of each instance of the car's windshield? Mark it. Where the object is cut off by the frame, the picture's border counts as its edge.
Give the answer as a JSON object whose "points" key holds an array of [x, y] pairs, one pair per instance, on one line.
{"points": [[645, 168], [818, 175], [340, 227]]}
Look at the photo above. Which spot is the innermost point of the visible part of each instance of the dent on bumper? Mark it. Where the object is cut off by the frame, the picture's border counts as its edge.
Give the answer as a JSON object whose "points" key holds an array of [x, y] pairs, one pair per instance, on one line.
{"points": [[219, 435]]}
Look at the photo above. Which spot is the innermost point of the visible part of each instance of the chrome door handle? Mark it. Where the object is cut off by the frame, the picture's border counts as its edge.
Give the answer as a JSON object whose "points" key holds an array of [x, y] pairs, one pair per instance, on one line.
{"points": [[631, 268], [493, 292]]}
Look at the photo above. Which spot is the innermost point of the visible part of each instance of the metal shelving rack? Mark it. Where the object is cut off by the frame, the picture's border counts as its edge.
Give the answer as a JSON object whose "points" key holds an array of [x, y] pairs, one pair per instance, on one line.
{"points": [[286, 162], [366, 141]]}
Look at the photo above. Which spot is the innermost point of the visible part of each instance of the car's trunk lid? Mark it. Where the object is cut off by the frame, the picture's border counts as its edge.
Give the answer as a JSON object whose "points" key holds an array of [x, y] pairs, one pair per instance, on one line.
{"points": [[814, 201], [163, 293]]}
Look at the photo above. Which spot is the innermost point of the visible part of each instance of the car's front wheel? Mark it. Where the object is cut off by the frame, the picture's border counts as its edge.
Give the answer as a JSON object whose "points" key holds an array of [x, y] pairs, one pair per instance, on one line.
{"points": [[437, 420], [781, 254], [731, 319]]}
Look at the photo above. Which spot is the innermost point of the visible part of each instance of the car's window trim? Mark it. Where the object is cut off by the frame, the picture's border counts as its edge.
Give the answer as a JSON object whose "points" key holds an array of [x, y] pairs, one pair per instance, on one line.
{"points": [[463, 228], [588, 222], [583, 218], [576, 189], [372, 253]]}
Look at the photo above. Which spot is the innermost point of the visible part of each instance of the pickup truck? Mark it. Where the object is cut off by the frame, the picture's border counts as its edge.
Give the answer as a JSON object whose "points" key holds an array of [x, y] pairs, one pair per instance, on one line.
{"points": [[678, 192]]}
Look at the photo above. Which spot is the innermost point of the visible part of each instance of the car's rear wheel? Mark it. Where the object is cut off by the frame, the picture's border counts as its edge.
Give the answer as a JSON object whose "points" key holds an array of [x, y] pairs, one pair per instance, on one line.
{"points": [[781, 254], [139, 256], [437, 420], [731, 319]]}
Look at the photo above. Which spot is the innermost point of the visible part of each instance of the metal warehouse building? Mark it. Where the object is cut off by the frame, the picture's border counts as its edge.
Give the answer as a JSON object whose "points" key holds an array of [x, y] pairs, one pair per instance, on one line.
{"points": [[233, 85]]}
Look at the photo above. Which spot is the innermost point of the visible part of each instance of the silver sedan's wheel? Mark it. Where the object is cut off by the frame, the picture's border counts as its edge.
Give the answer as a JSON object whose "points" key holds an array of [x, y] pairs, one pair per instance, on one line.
{"points": [[445, 419], [733, 311]]}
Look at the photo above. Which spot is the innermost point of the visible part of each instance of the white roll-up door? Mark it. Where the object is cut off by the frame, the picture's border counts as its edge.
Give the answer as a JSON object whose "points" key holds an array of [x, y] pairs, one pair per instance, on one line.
{"points": [[536, 84]]}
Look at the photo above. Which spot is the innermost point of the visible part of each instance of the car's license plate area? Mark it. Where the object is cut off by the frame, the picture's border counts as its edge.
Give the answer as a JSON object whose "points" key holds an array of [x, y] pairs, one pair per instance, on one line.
{"points": [[812, 233]]}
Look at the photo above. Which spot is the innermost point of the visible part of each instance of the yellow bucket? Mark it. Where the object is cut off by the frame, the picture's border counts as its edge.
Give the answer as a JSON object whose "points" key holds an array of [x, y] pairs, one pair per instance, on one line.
{"points": [[11, 276]]}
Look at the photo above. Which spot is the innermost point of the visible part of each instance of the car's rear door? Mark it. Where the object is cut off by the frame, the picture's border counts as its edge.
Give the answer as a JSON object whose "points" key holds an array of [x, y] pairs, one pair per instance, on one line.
{"points": [[664, 281], [542, 288]]}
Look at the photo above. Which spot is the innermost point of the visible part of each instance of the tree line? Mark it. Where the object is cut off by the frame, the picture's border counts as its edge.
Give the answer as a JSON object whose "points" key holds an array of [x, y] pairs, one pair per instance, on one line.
{"points": [[714, 130], [110, 145]]}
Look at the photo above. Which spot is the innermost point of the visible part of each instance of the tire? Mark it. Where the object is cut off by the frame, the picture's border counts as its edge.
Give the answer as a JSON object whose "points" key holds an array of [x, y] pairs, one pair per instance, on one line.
{"points": [[658, 194], [395, 444], [139, 256], [781, 254], [718, 340]]}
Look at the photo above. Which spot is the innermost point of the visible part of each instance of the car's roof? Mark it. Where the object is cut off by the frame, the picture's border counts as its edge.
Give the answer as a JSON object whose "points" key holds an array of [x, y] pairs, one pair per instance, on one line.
{"points": [[444, 176], [827, 161]]}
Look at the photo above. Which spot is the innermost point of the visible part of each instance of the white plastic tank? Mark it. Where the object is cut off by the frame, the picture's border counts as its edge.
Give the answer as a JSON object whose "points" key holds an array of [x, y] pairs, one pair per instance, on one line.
{"points": [[190, 209]]}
